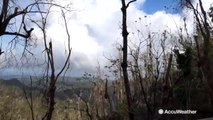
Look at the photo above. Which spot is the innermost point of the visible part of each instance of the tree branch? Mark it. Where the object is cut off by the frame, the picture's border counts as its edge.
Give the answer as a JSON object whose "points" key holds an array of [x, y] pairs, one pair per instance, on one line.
{"points": [[130, 3], [14, 33]]}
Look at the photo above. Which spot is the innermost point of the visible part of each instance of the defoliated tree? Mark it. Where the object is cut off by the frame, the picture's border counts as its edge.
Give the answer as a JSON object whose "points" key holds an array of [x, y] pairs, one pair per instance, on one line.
{"points": [[125, 50], [205, 38]]}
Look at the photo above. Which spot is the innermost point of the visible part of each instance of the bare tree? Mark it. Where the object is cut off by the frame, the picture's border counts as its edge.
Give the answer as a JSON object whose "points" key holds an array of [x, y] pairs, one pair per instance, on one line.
{"points": [[14, 18], [51, 74], [7, 15], [30, 99], [203, 26], [10, 10], [124, 64]]}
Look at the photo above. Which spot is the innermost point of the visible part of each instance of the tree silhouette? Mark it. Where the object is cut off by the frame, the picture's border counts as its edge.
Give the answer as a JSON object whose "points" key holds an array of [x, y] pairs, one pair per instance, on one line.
{"points": [[125, 50]]}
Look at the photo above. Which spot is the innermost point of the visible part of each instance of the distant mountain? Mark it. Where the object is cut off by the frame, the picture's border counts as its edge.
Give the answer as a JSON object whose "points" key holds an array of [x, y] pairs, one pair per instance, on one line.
{"points": [[68, 88], [13, 82], [8, 77]]}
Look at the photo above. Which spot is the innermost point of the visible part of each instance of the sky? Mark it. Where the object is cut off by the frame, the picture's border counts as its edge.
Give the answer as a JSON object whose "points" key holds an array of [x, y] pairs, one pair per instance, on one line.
{"points": [[95, 28], [152, 6]]}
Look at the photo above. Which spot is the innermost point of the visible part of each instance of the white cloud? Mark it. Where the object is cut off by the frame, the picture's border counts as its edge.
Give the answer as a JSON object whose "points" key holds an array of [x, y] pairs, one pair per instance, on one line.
{"points": [[94, 27]]}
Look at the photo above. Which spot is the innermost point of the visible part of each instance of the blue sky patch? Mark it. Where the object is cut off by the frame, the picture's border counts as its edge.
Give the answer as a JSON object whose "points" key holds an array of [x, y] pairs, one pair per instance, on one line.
{"points": [[152, 6]]}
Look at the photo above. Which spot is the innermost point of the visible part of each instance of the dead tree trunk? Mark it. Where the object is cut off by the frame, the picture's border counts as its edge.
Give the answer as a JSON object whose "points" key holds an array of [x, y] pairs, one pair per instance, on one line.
{"points": [[204, 60], [125, 50], [51, 65], [52, 87]]}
